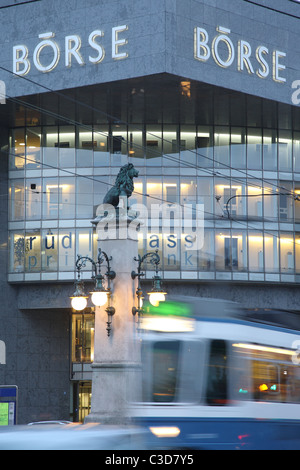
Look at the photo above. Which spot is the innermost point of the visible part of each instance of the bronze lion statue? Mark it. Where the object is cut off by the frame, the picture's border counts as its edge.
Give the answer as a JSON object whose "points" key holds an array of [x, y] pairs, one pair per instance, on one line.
{"points": [[123, 185]]}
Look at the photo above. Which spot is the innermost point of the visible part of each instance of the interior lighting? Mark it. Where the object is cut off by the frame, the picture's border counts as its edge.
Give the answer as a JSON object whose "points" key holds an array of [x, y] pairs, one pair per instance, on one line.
{"points": [[258, 347]]}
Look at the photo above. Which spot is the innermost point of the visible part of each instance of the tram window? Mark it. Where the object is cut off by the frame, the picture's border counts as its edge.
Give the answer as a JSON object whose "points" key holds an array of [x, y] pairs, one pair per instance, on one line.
{"points": [[217, 380], [266, 383], [165, 370], [290, 383], [273, 375], [276, 382]]}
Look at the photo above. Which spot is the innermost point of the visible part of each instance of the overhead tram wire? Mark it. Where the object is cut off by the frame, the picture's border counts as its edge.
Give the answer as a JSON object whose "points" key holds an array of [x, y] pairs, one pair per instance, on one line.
{"points": [[25, 2], [190, 165], [213, 215], [213, 172], [220, 217], [169, 157], [210, 172], [104, 182], [115, 119], [252, 2]]}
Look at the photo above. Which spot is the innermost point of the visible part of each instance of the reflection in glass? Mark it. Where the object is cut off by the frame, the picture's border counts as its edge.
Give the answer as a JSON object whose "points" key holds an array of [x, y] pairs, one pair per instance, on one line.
{"points": [[238, 147], [66, 195], [86, 145], [33, 198], [285, 150], [254, 148], [33, 147], [270, 149], [221, 140], [256, 253], [66, 145], [49, 250], [50, 151], [83, 327], [33, 252], [286, 253], [101, 151], [17, 200], [153, 145], [165, 370], [271, 249]]}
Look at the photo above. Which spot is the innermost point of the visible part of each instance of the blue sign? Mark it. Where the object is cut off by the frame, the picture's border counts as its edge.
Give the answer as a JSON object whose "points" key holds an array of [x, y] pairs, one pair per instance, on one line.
{"points": [[8, 405]]}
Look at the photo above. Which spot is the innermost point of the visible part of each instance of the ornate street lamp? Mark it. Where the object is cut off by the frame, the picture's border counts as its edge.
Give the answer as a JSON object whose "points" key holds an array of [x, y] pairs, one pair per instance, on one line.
{"points": [[79, 298], [99, 295], [157, 294]]}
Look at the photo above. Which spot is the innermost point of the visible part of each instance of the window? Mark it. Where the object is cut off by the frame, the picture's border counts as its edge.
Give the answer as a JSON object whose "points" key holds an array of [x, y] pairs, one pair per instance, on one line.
{"points": [[50, 151], [17, 157], [85, 397], [285, 145], [254, 148], [287, 252], [271, 249], [255, 201], [66, 146], [33, 251], [256, 251], [270, 149], [238, 148], [33, 198], [82, 396], [84, 203], [49, 250], [17, 252], [206, 258], [50, 198], [231, 252], [100, 143], [165, 370], [286, 203], [217, 379], [171, 146], [17, 203], [153, 145], [221, 146], [33, 148], [83, 327], [66, 194], [273, 374]]}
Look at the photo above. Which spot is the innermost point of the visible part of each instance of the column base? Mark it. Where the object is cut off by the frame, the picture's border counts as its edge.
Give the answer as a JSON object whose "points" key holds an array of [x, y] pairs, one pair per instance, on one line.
{"points": [[115, 386]]}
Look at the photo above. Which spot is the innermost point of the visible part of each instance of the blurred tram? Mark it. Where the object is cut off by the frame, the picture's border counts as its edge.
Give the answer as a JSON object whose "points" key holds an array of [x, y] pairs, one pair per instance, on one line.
{"points": [[213, 379]]}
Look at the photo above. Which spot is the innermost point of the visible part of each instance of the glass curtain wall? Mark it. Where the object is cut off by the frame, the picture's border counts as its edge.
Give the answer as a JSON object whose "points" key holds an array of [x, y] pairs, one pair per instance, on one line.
{"points": [[228, 170]]}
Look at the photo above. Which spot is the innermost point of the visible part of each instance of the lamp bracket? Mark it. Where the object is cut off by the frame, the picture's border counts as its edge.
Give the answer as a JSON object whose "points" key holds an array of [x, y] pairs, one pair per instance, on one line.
{"points": [[110, 311]]}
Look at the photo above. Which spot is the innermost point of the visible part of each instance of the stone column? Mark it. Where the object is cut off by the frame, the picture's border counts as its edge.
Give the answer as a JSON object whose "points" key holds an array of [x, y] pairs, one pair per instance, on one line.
{"points": [[116, 367]]}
